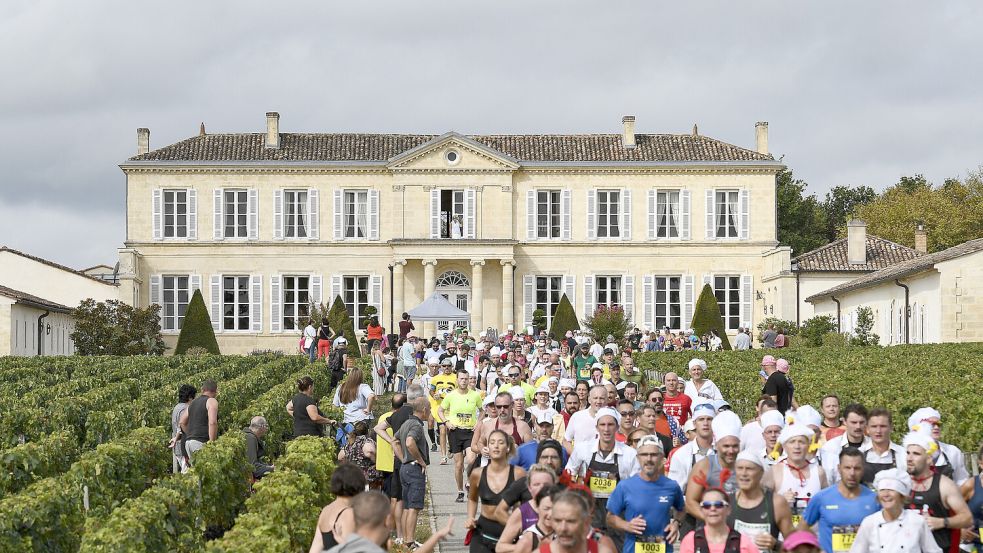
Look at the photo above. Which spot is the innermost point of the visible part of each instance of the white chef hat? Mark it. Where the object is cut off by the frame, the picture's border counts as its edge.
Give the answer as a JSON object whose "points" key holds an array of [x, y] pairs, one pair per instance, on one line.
{"points": [[746, 455], [794, 430], [568, 383], [923, 439], [893, 479], [805, 414], [607, 412], [922, 415], [772, 418], [517, 393], [726, 424], [697, 362]]}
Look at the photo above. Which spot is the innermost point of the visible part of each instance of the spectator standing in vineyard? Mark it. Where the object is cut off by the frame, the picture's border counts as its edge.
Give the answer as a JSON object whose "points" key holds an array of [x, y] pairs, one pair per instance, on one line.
{"points": [[257, 429], [185, 394], [308, 419], [355, 397], [200, 420], [338, 360]]}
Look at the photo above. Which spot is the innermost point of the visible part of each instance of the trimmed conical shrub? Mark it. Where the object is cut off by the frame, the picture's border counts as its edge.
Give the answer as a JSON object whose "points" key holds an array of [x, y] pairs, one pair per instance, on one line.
{"points": [[706, 316], [343, 324], [564, 319], [196, 330]]}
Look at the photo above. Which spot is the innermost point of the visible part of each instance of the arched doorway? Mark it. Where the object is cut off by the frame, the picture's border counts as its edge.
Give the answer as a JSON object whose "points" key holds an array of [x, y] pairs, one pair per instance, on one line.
{"points": [[456, 287]]}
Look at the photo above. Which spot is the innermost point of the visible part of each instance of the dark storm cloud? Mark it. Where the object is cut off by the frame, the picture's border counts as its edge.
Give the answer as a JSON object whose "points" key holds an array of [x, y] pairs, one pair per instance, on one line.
{"points": [[856, 93]]}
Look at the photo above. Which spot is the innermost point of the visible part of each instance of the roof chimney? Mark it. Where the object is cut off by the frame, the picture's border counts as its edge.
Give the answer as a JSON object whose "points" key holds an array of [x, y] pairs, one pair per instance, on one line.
{"points": [[856, 242], [201, 130], [761, 137], [272, 129], [143, 141], [921, 239], [628, 134]]}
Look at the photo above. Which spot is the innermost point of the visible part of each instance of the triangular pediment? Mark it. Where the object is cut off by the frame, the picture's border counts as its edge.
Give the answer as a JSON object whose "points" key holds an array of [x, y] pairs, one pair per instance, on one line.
{"points": [[452, 152]]}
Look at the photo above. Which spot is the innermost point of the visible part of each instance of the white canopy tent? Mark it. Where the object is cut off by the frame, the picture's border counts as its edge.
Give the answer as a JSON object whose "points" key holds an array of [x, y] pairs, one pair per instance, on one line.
{"points": [[437, 308]]}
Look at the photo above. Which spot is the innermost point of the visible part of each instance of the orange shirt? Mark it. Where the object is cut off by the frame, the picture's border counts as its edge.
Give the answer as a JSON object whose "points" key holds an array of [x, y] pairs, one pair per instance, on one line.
{"points": [[373, 332]]}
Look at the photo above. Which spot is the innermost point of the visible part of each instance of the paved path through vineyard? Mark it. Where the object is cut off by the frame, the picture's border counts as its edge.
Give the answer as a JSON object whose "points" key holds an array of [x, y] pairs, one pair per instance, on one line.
{"points": [[443, 492]]}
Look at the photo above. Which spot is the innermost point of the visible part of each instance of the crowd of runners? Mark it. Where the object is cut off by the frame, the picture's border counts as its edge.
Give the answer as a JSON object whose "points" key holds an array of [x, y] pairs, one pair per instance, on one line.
{"points": [[562, 446]]}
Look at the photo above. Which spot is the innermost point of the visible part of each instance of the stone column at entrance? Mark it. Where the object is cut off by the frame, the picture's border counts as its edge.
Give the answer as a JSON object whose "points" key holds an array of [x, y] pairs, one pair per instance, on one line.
{"points": [[477, 296], [398, 305], [508, 285], [429, 283]]}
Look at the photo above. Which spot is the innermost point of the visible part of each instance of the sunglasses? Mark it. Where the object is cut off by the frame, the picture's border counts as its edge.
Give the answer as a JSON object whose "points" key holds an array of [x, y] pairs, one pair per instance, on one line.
{"points": [[514, 375], [627, 413], [714, 505], [497, 406]]}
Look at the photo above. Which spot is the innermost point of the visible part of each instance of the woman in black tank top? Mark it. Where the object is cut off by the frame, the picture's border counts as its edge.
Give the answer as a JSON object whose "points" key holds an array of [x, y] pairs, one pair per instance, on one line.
{"points": [[336, 521], [487, 486]]}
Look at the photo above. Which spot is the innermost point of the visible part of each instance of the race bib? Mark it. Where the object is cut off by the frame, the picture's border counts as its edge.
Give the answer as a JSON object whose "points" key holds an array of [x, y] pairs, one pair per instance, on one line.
{"points": [[465, 419], [650, 547], [584, 373], [602, 486], [843, 537], [796, 519]]}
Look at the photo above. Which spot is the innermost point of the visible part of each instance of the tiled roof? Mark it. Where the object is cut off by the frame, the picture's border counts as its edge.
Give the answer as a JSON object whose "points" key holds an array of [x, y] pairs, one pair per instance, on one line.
{"points": [[30, 299], [902, 270], [381, 147], [52, 264], [833, 257]]}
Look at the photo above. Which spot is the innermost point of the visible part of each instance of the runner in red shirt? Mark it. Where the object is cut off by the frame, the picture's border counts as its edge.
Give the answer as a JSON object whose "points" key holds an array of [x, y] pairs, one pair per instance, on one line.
{"points": [[675, 402]]}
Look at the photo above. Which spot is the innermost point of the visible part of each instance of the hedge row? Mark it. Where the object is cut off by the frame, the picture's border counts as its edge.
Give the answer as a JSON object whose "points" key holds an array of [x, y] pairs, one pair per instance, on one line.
{"points": [[221, 474], [282, 513], [22, 465], [900, 378], [50, 514]]}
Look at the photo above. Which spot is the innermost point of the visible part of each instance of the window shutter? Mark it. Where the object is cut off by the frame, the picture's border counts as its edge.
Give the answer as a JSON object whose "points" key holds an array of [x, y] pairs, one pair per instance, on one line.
{"points": [[276, 308], [155, 295], [373, 214], [745, 207], [253, 205], [688, 301], [684, 215], [470, 214], [256, 299], [565, 214], [531, 215], [435, 213], [589, 297], [651, 213], [335, 289], [313, 214], [746, 311], [216, 297], [339, 215], [316, 290], [626, 214], [192, 214], [375, 288], [591, 217], [157, 213], [218, 228], [528, 295], [278, 215], [195, 283], [648, 301], [628, 295], [711, 229], [570, 289]]}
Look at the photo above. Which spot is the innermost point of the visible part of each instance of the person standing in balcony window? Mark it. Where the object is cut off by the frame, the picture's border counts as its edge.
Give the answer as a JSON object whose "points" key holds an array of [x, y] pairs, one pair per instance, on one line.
{"points": [[456, 227]]}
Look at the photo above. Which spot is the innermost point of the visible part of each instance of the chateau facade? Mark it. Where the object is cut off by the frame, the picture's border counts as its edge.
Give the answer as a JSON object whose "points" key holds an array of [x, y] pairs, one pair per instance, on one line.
{"points": [[265, 223]]}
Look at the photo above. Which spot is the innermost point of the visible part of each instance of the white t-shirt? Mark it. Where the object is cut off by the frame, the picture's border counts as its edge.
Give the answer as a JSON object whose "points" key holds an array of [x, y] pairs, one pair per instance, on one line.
{"points": [[354, 410], [597, 350], [581, 427], [709, 391], [429, 354]]}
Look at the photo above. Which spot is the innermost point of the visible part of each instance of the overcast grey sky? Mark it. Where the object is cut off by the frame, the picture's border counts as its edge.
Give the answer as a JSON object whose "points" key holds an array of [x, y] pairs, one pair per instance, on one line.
{"points": [[855, 92]]}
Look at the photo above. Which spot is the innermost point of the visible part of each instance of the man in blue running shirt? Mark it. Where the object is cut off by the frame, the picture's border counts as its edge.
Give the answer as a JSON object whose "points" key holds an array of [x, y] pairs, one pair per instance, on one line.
{"points": [[839, 509]]}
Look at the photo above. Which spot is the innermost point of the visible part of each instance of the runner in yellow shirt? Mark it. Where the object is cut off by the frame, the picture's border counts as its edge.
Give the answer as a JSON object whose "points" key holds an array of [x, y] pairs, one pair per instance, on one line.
{"points": [[461, 408], [440, 385]]}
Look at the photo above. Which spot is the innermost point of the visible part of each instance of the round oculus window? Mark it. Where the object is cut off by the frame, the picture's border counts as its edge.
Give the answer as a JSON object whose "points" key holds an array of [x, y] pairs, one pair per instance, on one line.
{"points": [[452, 157]]}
